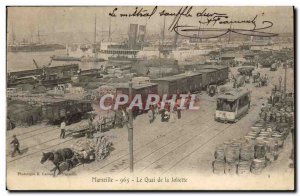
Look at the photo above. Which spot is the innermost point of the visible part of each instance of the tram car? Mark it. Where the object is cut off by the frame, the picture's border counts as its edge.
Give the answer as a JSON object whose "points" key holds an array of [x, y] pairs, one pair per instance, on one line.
{"points": [[232, 105]]}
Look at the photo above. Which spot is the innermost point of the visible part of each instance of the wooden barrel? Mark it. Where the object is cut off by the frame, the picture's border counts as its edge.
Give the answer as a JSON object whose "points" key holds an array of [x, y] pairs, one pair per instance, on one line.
{"points": [[265, 134], [231, 168], [220, 154], [244, 167], [227, 143], [278, 117], [260, 140], [218, 167], [247, 152], [257, 166], [232, 153], [279, 138], [260, 151], [255, 129], [250, 139], [253, 134]]}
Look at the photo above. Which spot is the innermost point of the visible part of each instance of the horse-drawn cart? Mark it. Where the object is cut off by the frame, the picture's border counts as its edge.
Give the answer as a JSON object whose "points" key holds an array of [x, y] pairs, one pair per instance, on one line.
{"points": [[79, 129]]}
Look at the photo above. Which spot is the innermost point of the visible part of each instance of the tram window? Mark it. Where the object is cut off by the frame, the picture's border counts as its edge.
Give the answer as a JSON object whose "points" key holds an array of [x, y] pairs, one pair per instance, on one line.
{"points": [[244, 101], [225, 105]]}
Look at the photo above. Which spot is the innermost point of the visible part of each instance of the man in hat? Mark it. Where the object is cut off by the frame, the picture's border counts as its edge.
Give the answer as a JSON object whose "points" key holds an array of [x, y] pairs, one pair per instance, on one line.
{"points": [[15, 145], [63, 129]]}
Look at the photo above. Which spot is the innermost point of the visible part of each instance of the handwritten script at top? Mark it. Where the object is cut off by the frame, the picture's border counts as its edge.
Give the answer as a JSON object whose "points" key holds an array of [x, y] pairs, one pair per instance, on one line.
{"points": [[209, 24]]}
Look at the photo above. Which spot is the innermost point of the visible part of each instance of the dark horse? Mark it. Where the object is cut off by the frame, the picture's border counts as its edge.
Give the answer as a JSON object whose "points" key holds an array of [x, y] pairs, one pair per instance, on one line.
{"points": [[57, 157]]}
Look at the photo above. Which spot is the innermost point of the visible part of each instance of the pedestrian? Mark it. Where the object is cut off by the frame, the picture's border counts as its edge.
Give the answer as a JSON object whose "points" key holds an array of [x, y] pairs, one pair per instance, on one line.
{"points": [[62, 129], [172, 115], [178, 113], [15, 146], [167, 115], [162, 114], [151, 115]]}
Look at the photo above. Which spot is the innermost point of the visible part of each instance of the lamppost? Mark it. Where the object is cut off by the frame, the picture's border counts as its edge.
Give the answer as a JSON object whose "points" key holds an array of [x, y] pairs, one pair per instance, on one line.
{"points": [[130, 131]]}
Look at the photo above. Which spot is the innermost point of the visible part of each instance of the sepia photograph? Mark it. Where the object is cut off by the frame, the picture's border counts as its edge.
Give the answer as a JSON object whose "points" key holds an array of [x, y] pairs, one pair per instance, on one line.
{"points": [[155, 98]]}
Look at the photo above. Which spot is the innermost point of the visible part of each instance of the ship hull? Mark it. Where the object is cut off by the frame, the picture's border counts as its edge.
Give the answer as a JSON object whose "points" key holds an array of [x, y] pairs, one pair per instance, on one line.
{"points": [[35, 48]]}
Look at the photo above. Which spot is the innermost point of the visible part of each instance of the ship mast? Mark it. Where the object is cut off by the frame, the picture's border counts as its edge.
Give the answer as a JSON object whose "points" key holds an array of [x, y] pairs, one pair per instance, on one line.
{"points": [[198, 35], [38, 33], [229, 35], [109, 30], [95, 32], [13, 35], [163, 35], [162, 44], [95, 40]]}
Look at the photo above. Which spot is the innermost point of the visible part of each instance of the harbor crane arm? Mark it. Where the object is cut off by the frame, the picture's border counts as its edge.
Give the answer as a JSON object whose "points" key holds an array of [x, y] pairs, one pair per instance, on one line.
{"points": [[36, 65]]}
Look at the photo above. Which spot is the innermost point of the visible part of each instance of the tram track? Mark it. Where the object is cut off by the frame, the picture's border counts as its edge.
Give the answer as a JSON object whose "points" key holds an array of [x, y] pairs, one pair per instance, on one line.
{"points": [[140, 148], [49, 147], [191, 152]]}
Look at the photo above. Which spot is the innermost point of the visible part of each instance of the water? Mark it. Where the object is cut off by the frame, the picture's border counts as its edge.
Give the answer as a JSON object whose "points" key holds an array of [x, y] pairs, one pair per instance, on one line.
{"points": [[17, 61]]}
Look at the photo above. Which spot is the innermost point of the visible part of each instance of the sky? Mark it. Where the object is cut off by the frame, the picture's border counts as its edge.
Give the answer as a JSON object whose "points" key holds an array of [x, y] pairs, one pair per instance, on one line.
{"points": [[24, 21]]}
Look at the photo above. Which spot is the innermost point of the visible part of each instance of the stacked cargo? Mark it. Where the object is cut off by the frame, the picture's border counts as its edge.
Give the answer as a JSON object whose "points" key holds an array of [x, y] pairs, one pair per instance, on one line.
{"points": [[259, 147], [103, 147], [84, 149]]}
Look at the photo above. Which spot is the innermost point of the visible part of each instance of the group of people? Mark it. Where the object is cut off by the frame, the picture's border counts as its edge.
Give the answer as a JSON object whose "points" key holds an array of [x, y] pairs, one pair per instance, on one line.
{"points": [[262, 80], [168, 112]]}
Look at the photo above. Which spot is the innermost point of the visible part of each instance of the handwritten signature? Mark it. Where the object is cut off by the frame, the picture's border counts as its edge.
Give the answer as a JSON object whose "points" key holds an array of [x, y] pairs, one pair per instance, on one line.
{"points": [[213, 24], [212, 19]]}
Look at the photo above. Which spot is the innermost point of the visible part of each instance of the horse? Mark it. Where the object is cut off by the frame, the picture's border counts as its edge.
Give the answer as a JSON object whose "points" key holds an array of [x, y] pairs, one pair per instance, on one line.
{"points": [[57, 157]]}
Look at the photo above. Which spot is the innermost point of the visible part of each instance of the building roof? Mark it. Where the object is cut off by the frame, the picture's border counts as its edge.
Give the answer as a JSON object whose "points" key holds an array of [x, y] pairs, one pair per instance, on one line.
{"points": [[234, 94]]}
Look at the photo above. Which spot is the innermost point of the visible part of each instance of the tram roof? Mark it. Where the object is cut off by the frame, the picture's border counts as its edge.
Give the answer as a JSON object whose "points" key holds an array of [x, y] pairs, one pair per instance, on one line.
{"points": [[234, 94]]}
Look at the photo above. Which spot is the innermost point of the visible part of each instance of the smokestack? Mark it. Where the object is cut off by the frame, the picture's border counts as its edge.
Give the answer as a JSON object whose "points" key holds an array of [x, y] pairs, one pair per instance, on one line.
{"points": [[142, 32], [175, 40], [132, 35]]}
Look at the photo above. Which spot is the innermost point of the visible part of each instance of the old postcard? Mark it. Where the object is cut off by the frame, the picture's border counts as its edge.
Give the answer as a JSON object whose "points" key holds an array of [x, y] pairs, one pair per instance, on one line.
{"points": [[150, 98]]}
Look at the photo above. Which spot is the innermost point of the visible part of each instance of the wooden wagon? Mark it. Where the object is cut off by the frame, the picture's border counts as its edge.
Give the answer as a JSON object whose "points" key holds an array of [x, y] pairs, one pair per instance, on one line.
{"points": [[55, 110]]}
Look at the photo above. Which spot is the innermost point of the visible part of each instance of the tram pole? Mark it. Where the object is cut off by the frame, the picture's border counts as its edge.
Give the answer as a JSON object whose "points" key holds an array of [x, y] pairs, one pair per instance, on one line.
{"points": [[130, 131]]}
